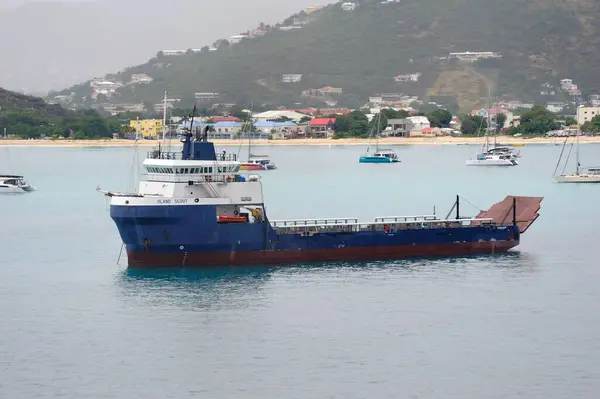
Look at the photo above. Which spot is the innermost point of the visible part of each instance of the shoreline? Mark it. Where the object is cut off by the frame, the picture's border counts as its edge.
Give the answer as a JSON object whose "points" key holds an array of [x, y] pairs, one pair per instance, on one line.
{"points": [[393, 141]]}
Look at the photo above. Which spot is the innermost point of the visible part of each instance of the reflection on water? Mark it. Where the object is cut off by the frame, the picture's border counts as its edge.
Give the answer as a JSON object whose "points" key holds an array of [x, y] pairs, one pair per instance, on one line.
{"points": [[195, 288], [218, 288]]}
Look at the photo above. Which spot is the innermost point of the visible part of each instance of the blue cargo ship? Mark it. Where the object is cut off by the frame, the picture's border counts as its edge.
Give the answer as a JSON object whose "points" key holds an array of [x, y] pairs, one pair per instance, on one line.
{"points": [[194, 208]]}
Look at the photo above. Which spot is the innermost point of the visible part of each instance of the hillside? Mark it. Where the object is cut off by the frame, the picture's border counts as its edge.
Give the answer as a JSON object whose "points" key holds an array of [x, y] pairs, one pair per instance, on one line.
{"points": [[27, 116], [361, 52]]}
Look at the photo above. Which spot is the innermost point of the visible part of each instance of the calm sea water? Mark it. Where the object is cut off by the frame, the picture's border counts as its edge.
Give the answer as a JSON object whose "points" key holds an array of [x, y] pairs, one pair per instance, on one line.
{"points": [[75, 324]]}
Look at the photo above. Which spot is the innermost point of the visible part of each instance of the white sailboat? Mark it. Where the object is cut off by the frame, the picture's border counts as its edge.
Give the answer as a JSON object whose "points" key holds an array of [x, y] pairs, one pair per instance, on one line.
{"points": [[581, 175]]}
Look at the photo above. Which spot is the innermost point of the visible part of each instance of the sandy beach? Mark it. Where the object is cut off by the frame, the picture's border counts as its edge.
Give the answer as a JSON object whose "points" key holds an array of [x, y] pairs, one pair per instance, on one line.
{"points": [[508, 140]]}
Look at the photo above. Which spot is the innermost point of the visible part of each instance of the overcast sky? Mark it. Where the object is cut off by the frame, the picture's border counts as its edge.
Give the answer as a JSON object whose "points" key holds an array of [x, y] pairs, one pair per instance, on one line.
{"points": [[87, 38]]}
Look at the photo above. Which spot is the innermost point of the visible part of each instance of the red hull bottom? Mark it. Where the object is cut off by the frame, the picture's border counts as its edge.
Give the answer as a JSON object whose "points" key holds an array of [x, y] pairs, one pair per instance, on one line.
{"points": [[201, 259]]}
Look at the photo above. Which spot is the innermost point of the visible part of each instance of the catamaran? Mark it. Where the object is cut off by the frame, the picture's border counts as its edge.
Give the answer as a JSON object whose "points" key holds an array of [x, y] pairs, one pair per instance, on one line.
{"points": [[14, 184], [582, 174], [380, 155], [256, 162], [495, 156]]}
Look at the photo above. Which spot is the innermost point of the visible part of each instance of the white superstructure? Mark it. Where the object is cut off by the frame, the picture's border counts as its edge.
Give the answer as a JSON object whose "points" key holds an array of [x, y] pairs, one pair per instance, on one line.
{"points": [[13, 184]]}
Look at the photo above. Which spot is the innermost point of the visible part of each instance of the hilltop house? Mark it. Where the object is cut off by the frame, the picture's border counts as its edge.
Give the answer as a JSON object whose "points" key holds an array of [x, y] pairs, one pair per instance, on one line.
{"points": [[348, 6], [140, 78], [409, 77], [322, 127], [237, 38], [291, 77], [555, 106]]}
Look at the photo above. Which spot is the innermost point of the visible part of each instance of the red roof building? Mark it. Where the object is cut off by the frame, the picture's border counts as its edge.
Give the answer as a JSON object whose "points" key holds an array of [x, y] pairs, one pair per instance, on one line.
{"points": [[322, 122], [224, 119]]}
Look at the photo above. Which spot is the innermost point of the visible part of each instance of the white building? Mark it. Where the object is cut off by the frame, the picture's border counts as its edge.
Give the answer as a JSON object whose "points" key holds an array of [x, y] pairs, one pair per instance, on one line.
{"points": [[140, 78], [291, 78], [206, 96], [173, 52], [585, 114], [474, 56], [348, 6], [409, 77], [237, 38], [567, 84], [271, 116], [555, 106], [419, 122]]}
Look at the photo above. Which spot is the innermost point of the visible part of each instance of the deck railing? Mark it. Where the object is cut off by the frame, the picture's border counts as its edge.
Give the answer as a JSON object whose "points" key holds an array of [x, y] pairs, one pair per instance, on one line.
{"points": [[314, 226], [178, 156], [313, 222], [195, 178]]}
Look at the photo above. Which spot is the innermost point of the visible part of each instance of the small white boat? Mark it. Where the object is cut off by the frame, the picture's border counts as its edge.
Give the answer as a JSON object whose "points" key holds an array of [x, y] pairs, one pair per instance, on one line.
{"points": [[581, 175], [13, 184], [493, 160]]}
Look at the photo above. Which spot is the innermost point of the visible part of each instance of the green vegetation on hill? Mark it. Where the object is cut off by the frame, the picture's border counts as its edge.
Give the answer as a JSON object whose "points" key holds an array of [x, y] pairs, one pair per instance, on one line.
{"points": [[31, 117], [361, 52]]}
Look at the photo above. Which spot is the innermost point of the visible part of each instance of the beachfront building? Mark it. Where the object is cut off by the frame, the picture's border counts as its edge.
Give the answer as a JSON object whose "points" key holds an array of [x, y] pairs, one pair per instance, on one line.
{"points": [[147, 128], [586, 114], [276, 130], [276, 116], [322, 127], [398, 128]]}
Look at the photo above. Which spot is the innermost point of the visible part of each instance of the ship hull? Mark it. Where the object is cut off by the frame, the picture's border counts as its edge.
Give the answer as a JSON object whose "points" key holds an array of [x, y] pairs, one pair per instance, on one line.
{"points": [[290, 257]]}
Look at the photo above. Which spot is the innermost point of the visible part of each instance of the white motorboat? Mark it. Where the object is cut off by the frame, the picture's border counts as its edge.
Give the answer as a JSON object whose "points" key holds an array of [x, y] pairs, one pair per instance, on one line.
{"points": [[13, 184]]}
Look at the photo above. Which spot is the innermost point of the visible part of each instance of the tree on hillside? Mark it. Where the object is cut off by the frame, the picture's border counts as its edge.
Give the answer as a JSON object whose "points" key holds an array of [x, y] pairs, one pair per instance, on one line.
{"points": [[472, 124], [537, 120], [355, 124], [440, 118], [500, 121], [592, 126]]}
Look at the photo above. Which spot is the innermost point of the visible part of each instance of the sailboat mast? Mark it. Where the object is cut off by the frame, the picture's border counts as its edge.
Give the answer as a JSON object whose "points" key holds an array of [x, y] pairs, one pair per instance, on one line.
{"points": [[164, 119], [489, 117], [577, 151]]}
